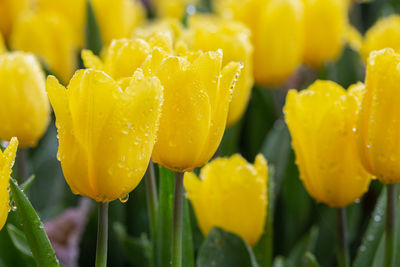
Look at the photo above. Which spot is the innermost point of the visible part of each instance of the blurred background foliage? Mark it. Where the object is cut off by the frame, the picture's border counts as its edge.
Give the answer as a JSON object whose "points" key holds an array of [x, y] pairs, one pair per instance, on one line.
{"points": [[300, 231]]}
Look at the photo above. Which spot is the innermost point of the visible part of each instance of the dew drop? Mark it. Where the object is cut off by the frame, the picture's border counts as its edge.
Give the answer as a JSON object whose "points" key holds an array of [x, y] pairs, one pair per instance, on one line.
{"points": [[377, 218], [124, 199]]}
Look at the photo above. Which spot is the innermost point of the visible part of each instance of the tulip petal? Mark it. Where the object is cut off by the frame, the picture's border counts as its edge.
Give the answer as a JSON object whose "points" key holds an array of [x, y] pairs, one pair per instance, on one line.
{"points": [[90, 60]]}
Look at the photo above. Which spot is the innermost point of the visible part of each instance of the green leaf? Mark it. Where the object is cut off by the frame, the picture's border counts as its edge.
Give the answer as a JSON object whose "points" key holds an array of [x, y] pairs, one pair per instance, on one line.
{"points": [[307, 243], [27, 183], [370, 242], [222, 248], [311, 260], [33, 228], [164, 224], [279, 262], [93, 36], [19, 240], [136, 250]]}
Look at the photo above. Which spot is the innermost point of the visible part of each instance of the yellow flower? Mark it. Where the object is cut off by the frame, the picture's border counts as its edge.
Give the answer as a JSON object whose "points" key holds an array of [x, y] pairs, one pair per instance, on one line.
{"points": [[321, 121], [106, 133], [50, 37], [384, 34], [74, 11], [121, 58], [197, 92], [9, 11], [25, 109], [378, 129], [325, 27], [6, 162], [172, 8], [117, 18], [277, 34], [3, 48], [209, 33], [231, 194]]}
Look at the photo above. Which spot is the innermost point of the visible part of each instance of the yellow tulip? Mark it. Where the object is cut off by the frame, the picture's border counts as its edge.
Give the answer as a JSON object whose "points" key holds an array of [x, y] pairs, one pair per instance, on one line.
{"points": [[9, 11], [277, 34], [384, 34], [121, 58], [321, 121], [3, 48], [7, 158], [74, 11], [25, 109], [378, 129], [197, 92], [209, 33], [172, 8], [326, 25], [50, 37], [231, 194], [106, 133], [117, 18]]}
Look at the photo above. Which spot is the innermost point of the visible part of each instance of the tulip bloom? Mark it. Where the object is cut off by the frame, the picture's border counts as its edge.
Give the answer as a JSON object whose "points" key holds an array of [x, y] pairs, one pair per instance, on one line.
{"points": [[321, 121], [378, 125], [51, 38], [172, 8], [326, 24], [25, 109], [117, 18], [106, 133], [384, 34], [121, 58], [197, 92], [9, 11], [2, 45], [209, 33], [277, 34], [231, 194], [7, 158]]}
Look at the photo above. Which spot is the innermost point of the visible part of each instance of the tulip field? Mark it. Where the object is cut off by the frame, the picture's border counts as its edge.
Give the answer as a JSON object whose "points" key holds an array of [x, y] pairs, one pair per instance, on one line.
{"points": [[199, 133]]}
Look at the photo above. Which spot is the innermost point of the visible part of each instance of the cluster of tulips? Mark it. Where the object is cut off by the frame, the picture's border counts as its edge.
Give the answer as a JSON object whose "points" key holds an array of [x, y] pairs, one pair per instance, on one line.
{"points": [[164, 91]]}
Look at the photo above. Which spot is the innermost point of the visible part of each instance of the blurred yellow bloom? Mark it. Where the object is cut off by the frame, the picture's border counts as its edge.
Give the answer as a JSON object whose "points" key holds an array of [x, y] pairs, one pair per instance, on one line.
{"points": [[172, 8], [51, 38], [277, 34], [325, 26], [3, 48], [6, 162], [121, 58], [9, 11], [231, 194], [321, 121], [106, 133], [378, 127], [74, 11], [209, 33], [197, 93], [118, 18], [25, 108], [384, 34]]}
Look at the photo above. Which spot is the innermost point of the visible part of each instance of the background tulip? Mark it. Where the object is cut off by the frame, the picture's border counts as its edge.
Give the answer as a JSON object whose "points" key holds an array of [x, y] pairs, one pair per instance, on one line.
{"points": [[197, 92], [231, 194], [384, 34], [209, 33], [25, 109], [378, 125], [3, 48], [325, 29], [49, 36], [6, 163], [117, 18], [172, 8], [106, 133], [321, 121], [9, 11], [277, 34]]}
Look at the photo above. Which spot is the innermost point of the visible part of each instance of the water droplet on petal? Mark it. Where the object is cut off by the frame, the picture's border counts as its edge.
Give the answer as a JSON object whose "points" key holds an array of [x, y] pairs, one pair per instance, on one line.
{"points": [[124, 199]]}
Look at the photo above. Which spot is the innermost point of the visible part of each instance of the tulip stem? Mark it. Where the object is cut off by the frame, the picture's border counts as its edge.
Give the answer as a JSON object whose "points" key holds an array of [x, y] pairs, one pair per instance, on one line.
{"points": [[177, 221], [343, 249], [102, 235], [152, 201], [390, 225], [22, 160]]}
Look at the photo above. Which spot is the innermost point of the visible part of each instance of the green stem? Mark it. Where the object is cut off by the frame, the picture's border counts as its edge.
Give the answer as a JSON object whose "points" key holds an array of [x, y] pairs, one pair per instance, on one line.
{"points": [[22, 160], [152, 202], [102, 235], [390, 225], [177, 221], [343, 250]]}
